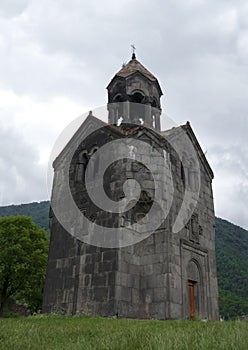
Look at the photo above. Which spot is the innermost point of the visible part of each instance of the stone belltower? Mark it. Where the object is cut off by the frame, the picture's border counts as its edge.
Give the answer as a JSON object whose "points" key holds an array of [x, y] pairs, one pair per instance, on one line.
{"points": [[134, 96], [171, 273]]}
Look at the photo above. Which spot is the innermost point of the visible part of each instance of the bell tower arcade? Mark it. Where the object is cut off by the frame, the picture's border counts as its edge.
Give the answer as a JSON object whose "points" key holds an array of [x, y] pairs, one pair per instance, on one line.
{"points": [[134, 96]]}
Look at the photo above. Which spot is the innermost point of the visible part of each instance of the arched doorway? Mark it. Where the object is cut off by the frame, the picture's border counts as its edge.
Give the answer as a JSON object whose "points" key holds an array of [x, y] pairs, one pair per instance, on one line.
{"points": [[194, 288]]}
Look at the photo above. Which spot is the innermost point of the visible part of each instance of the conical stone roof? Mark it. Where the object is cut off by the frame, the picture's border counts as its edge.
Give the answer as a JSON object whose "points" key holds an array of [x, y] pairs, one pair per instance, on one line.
{"points": [[133, 66]]}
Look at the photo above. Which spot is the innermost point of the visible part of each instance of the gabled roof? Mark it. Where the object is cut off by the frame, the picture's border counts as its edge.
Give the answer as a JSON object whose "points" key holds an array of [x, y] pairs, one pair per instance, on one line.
{"points": [[94, 123], [89, 125], [188, 129], [90, 122]]}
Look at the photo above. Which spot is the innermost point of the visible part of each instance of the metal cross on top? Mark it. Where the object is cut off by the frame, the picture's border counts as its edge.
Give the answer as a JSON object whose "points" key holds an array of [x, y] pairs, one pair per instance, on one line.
{"points": [[133, 49]]}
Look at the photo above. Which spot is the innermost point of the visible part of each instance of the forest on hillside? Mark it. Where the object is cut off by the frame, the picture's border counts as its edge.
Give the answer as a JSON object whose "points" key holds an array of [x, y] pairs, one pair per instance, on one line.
{"points": [[232, 268], [231, 256]]}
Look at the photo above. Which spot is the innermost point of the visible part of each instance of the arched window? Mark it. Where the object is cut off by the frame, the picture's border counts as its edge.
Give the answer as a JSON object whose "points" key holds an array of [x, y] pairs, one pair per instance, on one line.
{"points": [[94, 163], [184, 169], [81, 166]]}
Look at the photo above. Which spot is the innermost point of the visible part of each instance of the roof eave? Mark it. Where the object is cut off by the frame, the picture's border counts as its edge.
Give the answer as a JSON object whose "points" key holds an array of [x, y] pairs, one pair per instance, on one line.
{"points": [[202, 156]]}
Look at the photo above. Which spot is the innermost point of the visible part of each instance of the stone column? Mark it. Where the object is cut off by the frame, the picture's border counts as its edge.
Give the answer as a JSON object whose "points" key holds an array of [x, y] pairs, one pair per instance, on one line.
{"points": [[148, 115], [157, 113], [112, 115], [126, 112]]}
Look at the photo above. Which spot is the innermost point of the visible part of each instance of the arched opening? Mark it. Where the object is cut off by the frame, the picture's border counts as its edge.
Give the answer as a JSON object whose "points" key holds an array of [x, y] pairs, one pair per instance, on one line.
{"points": [[154, 103], [137, 97], [81, 166], [137, 108], [94, 163]]}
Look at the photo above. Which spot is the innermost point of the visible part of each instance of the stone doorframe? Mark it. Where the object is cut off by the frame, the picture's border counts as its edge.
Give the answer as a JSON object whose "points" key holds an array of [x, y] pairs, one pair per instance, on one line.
{"points": [[194, 270]]}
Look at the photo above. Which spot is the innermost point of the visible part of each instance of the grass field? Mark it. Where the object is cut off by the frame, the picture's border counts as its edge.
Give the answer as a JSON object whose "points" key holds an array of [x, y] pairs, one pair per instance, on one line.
{"points": [[68, 332]]}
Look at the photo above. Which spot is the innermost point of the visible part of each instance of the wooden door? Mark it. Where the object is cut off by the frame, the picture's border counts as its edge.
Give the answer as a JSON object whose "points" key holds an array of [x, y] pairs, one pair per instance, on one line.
{"points": [[191, 298]]}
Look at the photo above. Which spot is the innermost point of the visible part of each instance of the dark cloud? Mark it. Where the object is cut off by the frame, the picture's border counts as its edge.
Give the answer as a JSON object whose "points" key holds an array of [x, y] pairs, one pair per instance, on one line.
{"points": [[231, 181], [196, 48], [22, 178]]}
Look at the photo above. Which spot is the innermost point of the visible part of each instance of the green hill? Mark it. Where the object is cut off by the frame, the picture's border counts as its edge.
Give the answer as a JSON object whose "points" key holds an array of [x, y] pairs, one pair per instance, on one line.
{"points": [[232, 268], [39, 211], [231, 255]]}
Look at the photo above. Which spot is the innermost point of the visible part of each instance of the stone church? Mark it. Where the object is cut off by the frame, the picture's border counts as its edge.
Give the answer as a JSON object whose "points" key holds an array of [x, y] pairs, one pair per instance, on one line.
{"points": [[165, 272]]}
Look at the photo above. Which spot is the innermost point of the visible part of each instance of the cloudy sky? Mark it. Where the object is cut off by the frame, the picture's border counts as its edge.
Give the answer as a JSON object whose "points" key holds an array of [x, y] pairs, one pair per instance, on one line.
{"points": [[57, 57]]}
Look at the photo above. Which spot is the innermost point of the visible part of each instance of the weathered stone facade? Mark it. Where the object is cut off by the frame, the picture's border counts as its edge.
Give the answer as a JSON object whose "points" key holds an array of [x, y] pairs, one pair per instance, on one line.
{"points": [[165, 276]]}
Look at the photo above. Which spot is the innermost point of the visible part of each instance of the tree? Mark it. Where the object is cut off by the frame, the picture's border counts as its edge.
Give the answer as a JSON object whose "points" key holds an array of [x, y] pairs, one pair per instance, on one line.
{"points": [[23, 259]]}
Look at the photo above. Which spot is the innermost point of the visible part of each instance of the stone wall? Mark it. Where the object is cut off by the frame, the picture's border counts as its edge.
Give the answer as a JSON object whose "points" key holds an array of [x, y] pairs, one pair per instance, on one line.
{"points": [[148, 279]]}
